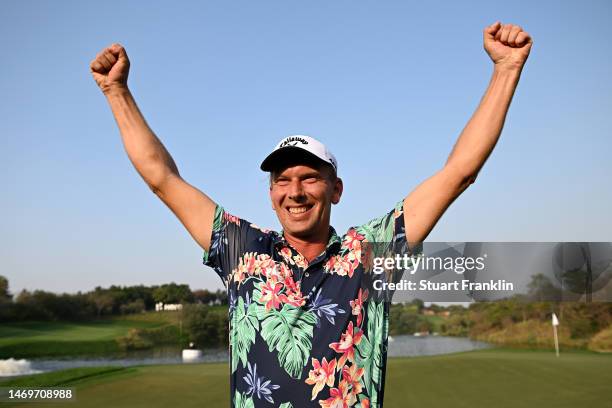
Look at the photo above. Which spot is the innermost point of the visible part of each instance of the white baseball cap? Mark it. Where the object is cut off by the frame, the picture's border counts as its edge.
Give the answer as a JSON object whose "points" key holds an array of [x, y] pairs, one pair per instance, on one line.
{"points": [[299, 146]]}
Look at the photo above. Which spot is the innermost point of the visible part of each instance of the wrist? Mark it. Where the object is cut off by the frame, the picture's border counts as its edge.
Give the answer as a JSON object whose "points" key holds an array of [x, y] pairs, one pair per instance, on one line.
{"points": [[115, 90], [508, 69]]}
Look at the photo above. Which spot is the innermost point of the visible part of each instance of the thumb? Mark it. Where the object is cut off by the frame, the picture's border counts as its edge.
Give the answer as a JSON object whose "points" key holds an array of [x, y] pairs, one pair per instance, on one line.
{"points": [[118, 50]]}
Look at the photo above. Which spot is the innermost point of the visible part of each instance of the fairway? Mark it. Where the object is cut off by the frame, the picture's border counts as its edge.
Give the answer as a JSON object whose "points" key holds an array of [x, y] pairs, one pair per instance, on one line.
{"points": [[490, 378], [60, 331], [33, 339]]}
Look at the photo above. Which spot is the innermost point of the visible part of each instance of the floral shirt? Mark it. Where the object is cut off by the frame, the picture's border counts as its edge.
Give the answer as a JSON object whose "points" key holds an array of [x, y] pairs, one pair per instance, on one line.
{"points": [[302, 334]]}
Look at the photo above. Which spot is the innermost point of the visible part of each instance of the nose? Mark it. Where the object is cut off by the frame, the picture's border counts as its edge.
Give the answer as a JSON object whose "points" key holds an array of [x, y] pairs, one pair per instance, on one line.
{"points": [[296, 191]]}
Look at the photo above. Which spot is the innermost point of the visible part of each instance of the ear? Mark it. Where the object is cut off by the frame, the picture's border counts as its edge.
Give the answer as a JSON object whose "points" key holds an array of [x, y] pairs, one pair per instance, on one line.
{"points": [[271, 200], [338, 187]]}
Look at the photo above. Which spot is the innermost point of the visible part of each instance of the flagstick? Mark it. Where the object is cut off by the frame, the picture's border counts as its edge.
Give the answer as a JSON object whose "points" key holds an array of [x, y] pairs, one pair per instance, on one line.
{"points": [[555, 323]]}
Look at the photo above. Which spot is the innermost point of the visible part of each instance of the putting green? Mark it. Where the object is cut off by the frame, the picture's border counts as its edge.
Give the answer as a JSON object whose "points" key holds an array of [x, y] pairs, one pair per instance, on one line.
{"points": [[489, 378]]}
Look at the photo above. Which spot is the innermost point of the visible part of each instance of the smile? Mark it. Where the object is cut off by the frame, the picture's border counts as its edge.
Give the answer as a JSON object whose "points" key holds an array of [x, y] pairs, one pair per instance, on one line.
{"points": [[299, 210]]}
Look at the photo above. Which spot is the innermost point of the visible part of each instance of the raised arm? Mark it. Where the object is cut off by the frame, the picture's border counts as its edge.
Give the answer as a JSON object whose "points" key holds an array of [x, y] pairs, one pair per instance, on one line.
{"points": [[508, 46], [193, 208]]}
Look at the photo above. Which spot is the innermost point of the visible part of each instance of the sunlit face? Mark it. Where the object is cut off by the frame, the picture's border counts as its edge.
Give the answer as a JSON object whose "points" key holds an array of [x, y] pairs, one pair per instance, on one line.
{"points": [[302, 196]]}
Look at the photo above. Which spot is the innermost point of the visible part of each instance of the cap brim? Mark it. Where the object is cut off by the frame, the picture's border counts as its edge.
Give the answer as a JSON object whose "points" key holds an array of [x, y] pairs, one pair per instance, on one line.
{"points": [[288, 155]]}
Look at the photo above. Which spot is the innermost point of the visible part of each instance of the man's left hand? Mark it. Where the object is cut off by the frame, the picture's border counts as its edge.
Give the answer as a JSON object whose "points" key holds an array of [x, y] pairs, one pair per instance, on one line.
{"points": [[507, 45]]}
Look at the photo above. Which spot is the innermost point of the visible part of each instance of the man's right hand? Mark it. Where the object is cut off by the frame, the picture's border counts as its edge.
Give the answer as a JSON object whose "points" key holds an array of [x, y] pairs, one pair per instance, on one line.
{"points": [[146, 152], [110, 68]]}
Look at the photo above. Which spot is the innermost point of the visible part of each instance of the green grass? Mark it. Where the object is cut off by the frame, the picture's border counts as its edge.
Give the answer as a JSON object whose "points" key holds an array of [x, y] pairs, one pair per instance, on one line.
{"points": [[71, 376], [37, 339], [488, 378], [501, 378]]}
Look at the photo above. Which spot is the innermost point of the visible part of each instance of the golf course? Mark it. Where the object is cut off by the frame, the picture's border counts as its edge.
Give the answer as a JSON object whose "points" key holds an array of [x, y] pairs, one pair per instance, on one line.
{"points": [[487, 378], [48, 339], [498, 377]]}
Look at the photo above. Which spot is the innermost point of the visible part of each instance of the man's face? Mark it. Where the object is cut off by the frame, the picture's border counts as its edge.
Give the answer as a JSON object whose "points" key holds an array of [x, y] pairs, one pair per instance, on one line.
{"points": [[302, 196]]}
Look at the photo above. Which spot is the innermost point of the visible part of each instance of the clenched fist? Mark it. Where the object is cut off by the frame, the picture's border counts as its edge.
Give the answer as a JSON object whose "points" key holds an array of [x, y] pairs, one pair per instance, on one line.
{"points": [[110, 68], [507, 45]]}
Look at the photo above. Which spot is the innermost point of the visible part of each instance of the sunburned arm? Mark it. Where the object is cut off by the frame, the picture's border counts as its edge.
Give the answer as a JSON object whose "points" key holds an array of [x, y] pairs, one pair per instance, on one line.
{"points": [[427, 202], [150, 158]]}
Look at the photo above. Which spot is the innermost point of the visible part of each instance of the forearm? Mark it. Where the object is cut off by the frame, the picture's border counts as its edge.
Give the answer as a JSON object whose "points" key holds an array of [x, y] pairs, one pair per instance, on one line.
{"points": [[484, 128], [145, 150]]}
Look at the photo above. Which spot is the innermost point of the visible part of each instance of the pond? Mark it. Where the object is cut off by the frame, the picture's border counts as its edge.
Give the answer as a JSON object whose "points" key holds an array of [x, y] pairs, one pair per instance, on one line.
{"points": [[413, 346], [399, 346]]}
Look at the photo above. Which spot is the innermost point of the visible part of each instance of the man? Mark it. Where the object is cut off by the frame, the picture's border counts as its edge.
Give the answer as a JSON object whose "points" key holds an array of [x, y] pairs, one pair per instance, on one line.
{"points": [[302, 329]]}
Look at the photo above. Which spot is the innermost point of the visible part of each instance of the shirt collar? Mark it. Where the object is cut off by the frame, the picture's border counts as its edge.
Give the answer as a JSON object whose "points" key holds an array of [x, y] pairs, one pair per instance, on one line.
{"points": [[334, 239]]}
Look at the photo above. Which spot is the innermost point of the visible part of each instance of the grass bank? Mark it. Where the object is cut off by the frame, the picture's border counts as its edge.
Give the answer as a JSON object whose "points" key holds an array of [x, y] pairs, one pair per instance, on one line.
{"points": [[53, 339]]}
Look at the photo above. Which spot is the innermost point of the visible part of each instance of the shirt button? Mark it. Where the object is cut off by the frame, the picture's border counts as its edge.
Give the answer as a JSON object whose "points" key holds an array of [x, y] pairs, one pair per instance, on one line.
{"points": [[307, 274]]}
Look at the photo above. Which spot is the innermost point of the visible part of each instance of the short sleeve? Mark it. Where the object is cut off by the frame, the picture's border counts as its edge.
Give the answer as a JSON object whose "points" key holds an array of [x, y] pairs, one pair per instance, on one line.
{"points": [[386, 238], [227, 242], [389, 229]]}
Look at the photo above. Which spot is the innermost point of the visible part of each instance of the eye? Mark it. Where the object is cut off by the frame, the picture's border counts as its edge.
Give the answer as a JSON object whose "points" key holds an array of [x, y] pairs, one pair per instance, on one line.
{"points": [[281, 181], [311, 179]]}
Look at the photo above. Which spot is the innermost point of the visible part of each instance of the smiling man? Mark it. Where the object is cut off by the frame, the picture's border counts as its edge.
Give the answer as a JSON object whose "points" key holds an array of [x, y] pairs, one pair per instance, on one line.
{"points": [[303, 186], [303, 331]]}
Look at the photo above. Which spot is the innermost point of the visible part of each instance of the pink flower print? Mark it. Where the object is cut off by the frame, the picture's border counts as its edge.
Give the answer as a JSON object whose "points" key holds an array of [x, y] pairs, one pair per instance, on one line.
{"points": [[231, 218], [286, 254], [339, 397], [270, 293], [293, 293], [345, 346], [321, 374], [352, 375], [357, 305]]}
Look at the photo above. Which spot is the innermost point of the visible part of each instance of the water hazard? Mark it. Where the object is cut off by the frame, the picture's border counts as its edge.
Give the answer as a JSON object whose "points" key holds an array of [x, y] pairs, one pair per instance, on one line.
{"points": [[399, 346]]}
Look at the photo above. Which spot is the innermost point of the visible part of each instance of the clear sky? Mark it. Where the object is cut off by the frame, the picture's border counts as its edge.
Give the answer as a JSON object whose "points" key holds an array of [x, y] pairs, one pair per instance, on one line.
{"points": [[388, 86]]}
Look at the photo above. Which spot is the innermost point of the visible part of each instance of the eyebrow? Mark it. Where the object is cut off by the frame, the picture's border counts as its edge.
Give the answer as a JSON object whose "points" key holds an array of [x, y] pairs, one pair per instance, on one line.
{"points": [[312, 174], [303, 176]]}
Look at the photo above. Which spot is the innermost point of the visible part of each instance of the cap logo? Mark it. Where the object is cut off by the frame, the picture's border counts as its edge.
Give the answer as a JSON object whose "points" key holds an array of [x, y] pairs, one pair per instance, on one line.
{"points": [[293, 141]]}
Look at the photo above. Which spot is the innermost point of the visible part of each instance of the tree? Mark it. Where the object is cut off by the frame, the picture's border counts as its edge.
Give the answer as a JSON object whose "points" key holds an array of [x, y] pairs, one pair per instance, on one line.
{"points": [[103, 301], [173, 293], [204, 296], [4, 292], [542, 289], [419, 304]]}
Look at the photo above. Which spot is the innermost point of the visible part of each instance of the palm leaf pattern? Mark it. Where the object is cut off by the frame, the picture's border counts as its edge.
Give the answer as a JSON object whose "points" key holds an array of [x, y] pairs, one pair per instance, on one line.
{"points": [[264, 315], [243, 401], [369, 350], [244, 328], [289, 332]]}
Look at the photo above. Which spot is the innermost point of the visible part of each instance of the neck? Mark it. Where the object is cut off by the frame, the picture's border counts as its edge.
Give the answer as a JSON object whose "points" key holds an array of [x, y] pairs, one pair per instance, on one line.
{"points": [[309, 248]]}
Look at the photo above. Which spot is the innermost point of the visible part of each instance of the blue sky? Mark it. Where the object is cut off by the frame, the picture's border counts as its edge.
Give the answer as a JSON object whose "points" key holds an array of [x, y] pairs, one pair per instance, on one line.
{"points": [[388, 86]]}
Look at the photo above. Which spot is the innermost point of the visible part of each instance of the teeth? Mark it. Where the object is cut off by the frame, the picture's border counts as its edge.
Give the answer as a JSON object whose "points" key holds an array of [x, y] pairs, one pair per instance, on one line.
{"points": [[298, 210]]}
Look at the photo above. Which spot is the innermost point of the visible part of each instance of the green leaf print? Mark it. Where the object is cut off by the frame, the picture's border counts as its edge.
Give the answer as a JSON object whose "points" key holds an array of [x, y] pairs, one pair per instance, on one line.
{"points": [[369, 350], [243, 401], [289, 331], [286, 405], [379, 229], [244, 328]]}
